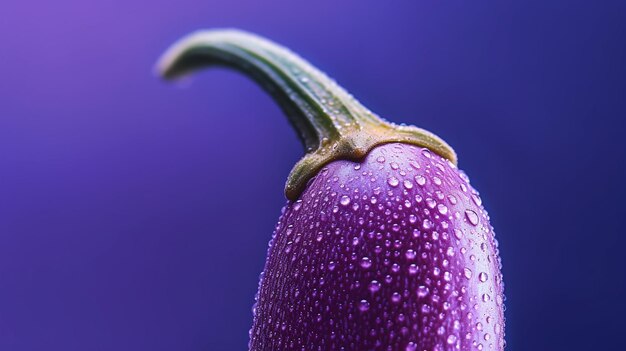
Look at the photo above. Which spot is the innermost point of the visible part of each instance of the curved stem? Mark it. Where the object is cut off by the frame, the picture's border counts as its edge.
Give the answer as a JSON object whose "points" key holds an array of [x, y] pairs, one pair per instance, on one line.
{"points": [[330, 122]]}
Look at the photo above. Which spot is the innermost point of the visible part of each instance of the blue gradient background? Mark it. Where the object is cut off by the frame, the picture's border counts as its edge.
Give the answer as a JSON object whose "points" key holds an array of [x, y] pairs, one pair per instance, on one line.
{"points": [[135, 215]]}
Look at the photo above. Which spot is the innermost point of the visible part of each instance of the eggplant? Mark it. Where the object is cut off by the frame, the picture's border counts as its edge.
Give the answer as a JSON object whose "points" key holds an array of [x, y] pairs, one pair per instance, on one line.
{"points": [[383, 243]]}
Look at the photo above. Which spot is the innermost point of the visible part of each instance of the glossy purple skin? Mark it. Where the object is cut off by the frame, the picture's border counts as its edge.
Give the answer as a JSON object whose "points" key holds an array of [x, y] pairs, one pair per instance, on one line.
{"points": [[394, 253]]}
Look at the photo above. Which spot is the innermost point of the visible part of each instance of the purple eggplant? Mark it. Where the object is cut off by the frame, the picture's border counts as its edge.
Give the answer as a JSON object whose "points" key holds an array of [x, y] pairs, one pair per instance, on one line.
{"points": [[383, 244]]}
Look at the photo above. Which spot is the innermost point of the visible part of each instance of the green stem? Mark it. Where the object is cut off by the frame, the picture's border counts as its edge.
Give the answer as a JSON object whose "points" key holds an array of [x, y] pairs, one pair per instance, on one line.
{"points": [[330, 122]]}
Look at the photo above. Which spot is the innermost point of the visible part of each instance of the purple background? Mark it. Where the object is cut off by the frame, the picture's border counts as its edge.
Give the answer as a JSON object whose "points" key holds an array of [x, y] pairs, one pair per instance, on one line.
{"points": [[135, 215]]}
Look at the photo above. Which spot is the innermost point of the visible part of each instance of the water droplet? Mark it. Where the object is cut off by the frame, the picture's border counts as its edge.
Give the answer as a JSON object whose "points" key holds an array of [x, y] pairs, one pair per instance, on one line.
{"points": [[452, 199], [395, 268], [451, 339], [380, 159], [364, 305], [411, 346], [456, 324], [497, 328], [458, 234], [393, 181], [395, 297], [472, 217], [426, 153], [437, 180], [394, 165], [297, 205], [427, 224], [331, 266], [422, 291], [366, 262], [486, 297], [442, 209], [477, 199], [410, 254], [430, 202], [467, 272], [407, 184], [345, 200], [374, 286], [420, 180], [482, 277]]}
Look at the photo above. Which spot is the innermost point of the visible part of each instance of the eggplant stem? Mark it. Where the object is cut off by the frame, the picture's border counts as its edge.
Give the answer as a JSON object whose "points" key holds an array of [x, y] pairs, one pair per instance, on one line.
{"points": [[331, 124]]}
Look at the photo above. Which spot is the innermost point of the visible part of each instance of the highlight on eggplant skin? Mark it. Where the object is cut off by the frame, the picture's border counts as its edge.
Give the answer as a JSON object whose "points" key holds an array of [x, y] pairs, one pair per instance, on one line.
{"points": [[394, 253], [383, 243]]}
